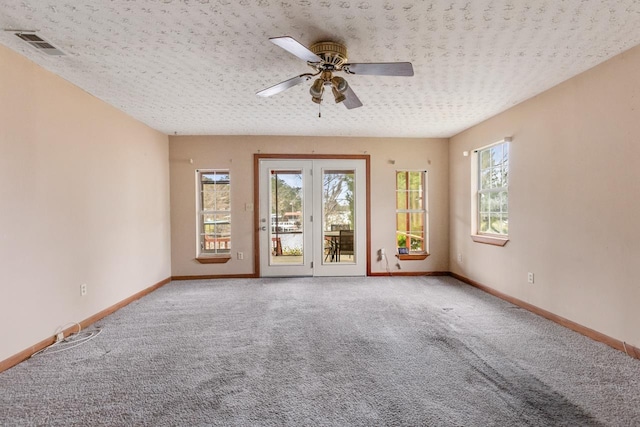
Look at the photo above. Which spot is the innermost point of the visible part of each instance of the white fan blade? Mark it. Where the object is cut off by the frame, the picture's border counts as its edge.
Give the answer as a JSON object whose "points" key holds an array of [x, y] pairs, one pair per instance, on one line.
{"points": [[380, 69], [352, 100], [298, 49], [282, 86]]}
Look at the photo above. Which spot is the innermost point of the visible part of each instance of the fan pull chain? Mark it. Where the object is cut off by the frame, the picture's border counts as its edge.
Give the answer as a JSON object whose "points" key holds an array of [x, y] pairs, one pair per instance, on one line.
{"points": [[320, 110]]}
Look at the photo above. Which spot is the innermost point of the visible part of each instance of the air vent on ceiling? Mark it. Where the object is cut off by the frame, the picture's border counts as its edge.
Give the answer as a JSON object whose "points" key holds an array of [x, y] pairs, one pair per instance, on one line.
{"points": [[40, 44]]}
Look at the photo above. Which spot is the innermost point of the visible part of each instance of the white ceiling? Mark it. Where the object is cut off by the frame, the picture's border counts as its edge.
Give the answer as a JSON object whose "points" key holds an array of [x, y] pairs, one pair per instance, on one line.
{"points": [[194, 66]]}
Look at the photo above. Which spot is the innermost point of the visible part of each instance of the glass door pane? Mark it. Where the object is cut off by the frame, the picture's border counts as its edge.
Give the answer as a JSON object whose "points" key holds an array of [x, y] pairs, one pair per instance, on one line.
{"points": [[286, 208], [338, 215]]}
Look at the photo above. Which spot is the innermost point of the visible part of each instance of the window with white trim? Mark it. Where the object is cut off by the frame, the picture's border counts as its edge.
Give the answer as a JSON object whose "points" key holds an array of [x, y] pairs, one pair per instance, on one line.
{"points": [[411, 211], [214, 212], [492, 197]]}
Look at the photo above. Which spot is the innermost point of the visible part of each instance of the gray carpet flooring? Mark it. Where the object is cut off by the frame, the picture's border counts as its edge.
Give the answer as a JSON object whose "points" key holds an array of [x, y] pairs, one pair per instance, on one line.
{"points": [[423, 351]]}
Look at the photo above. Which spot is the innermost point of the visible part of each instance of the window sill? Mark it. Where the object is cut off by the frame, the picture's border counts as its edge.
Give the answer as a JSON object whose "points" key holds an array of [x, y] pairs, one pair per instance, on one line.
{"points": [[412, 257], [213, 259], [489, 240]]}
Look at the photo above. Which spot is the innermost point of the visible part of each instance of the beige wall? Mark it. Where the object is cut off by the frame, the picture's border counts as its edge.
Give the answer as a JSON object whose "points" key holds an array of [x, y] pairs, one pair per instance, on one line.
{"points": [[236, 154], [84, 193], [574, 200]]}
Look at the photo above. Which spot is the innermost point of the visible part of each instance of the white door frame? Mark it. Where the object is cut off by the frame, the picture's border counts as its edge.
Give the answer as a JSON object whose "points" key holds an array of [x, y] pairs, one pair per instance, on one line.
{"points": [[362, 232]]}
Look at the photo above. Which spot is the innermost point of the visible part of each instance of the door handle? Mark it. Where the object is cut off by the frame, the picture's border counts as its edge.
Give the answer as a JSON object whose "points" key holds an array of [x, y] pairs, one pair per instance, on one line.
{"points": [[263, 228]]}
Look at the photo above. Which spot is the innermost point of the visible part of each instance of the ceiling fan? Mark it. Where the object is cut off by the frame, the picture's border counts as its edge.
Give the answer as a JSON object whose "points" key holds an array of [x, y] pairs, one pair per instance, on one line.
{"points": [[326, 58]]}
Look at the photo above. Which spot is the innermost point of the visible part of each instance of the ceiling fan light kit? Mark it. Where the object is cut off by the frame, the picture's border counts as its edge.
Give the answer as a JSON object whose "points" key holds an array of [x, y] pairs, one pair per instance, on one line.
{"points": [[340, 84], [317, 87], [338, 87], [338, 96], [327, 57]]}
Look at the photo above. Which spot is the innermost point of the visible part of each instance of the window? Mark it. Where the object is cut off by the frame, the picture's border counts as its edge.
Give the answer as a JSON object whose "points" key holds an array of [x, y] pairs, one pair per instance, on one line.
{"points": [[492, 193], [411, 212], [214, 212]]}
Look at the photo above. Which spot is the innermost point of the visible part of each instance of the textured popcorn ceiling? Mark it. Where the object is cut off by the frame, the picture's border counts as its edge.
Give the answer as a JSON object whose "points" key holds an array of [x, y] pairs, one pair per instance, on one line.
{"points": [[194, 66]]}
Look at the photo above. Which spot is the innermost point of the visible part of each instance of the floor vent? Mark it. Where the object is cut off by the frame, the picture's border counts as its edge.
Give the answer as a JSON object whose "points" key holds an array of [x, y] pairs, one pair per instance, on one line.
{"points": [[40, 44]]}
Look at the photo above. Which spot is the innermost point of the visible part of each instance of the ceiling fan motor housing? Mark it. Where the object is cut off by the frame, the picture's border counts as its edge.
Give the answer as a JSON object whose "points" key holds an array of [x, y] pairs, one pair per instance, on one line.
{"points": [[332, 53]]}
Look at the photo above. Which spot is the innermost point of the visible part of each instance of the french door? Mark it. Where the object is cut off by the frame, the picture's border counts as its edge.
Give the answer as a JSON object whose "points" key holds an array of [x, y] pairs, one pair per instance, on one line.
{"points": [[312, 217]]}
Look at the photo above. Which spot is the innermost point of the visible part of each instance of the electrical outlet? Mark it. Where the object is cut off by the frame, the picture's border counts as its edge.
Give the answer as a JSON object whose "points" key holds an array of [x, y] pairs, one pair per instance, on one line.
{"points": [[60, 337], [83, 289], [459, 258], [240, 255], [530, 277]]}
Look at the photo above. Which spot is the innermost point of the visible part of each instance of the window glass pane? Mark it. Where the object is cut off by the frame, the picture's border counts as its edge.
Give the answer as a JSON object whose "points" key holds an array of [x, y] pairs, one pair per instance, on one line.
{"points": [[215, 197], [416, 241], [401, 180], [493, 167], [483, 226], [216, 244], [505, 223], [222, 200], [222, 219], [401, 222], [415, 181], [401, 200], [496, 155], [496, 177], [416, 221], [495, 223], [484, 159], [208, 197], [415, 200], [483, 203], [494, 202], [217, 177], [485, 179], [504, 202], [505, 175]]}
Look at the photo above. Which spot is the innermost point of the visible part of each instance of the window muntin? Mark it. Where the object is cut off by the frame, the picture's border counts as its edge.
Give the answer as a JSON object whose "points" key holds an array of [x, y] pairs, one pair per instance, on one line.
{"points": [[214, 212], [411, 211], [492, 192]]}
